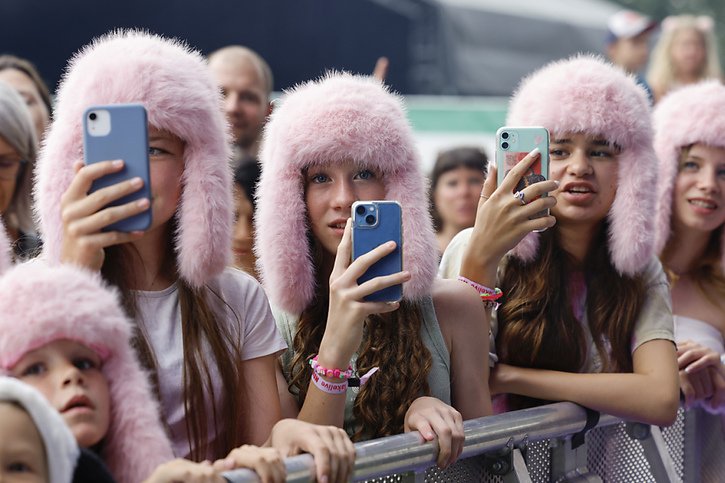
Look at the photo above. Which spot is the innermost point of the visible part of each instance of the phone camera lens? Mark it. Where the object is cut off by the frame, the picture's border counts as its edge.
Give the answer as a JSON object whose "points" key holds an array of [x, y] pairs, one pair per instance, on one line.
{"points": [[92, 116], [504, 135], [370, 219], [505, 145], [360, 210]]}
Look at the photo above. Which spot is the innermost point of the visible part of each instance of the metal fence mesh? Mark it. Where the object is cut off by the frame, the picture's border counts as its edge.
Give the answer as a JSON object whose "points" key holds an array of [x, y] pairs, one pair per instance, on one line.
{"points": [[696, 439]]}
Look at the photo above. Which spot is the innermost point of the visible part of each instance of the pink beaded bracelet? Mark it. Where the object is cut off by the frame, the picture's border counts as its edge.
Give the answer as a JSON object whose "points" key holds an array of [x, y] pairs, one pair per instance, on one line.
{"points": [[332, 373]]}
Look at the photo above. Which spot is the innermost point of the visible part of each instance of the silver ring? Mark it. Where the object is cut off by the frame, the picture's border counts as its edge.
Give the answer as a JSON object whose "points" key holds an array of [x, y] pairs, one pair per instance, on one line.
{"points": [[519, 195]]}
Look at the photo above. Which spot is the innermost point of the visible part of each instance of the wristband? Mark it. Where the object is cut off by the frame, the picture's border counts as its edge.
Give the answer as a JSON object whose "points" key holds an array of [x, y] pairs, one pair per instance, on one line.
{"points": [[329, 387]]}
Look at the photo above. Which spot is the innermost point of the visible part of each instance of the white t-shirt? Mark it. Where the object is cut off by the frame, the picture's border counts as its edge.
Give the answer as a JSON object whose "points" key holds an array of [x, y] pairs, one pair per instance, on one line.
{"points": [[654, 320], [251, 323]]}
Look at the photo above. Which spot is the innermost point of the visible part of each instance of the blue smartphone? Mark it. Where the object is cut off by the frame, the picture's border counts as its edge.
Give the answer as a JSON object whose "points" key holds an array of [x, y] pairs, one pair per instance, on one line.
{"points": [[375, 223], [120, 131], [512, 145]]}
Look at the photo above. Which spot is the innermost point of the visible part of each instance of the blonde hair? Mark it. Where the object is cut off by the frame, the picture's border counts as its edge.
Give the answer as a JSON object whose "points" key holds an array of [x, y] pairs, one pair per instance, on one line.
{"points": [[16, 128], [661, 72]]}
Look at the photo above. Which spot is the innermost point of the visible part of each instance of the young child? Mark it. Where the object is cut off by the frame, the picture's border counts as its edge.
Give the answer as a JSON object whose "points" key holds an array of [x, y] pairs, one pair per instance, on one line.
{"points": [[35, 444], [62, 332]]}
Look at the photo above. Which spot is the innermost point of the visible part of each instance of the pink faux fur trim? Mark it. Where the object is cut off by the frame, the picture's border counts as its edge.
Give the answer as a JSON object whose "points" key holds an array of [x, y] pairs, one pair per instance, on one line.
{"points": [[340, 116], [692, 114], [173, 82], [40, 304], [586, 94]]}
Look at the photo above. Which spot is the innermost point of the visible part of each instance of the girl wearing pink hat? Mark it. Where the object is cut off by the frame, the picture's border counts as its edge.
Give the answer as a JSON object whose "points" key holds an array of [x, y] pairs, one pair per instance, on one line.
{"points": [[331, 142], [205, 331], [585, 314], [689, 126], [48, 314]]}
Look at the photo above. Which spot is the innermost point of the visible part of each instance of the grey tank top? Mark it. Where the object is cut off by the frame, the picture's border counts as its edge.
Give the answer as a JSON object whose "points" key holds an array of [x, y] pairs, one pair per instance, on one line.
{"points": [[439, 378]]}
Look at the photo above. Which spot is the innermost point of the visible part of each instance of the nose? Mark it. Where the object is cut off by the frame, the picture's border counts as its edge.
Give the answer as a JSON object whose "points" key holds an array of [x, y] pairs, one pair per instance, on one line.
{"points": [[231, 101], [344, 194], [707, 181], [243, 230], [579, 164], [72, 376]]}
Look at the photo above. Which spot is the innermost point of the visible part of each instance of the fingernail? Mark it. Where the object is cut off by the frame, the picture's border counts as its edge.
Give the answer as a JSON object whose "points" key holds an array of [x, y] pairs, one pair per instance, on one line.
{"points": [[143, 203], [557, 182], [687, 370], [408, 275], [118, 163], [137, 182], [535, 152], [390, 244], [137, 233]]}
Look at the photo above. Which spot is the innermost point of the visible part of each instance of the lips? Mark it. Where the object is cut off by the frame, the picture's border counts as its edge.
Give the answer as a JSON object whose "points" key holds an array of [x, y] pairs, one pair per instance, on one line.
{"points": [[79, 401], [578, 187], [338, 224]]}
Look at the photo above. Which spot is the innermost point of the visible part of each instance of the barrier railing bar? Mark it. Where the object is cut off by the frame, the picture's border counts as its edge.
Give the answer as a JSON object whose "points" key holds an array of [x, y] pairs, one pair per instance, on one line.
{"points": [[409, 452]]}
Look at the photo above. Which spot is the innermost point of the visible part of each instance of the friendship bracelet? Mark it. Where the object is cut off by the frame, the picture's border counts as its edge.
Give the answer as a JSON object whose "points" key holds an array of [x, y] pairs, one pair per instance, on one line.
{"points": [[360, 382], [331, 373], [329, 387], [487, 294]]}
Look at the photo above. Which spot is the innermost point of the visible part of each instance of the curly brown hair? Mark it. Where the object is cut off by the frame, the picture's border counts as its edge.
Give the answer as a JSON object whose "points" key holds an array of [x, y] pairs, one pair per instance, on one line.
{"points": [[391, 342], [537, 325]]}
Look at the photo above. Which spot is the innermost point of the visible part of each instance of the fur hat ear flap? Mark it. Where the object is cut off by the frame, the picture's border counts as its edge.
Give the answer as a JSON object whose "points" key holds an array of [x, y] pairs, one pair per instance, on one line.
{"points": [[175, 85], [690, 115], [585, 94], [336, 118]]}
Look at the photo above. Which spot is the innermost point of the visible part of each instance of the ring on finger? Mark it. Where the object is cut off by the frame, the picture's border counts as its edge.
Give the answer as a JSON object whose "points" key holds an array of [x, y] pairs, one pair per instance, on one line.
{"points": [[484, 197], [519, 195]]}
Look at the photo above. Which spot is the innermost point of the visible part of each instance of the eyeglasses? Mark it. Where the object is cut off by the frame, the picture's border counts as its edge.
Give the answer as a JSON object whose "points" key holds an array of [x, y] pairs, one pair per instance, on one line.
{"points": [[10, 167]]}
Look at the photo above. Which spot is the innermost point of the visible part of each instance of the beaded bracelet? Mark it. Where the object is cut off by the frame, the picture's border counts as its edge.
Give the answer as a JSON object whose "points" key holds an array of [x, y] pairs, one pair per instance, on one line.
{"points": [[333, 373], [487, 294]]}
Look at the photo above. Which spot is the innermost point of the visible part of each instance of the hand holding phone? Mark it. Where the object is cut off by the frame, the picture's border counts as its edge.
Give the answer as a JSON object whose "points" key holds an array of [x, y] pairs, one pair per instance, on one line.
{"points": [[512, 145], [374, 223], [116, 132]]}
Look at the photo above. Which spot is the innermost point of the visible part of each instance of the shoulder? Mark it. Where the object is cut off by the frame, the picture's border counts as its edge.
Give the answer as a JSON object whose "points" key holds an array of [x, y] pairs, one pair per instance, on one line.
{"points": [[653, 274], [235, 286], [456, 304], [453, 256]]}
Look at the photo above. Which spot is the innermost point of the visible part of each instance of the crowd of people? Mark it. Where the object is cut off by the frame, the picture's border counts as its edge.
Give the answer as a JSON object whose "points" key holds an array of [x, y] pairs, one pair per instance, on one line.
{"points": [[234, 331]]}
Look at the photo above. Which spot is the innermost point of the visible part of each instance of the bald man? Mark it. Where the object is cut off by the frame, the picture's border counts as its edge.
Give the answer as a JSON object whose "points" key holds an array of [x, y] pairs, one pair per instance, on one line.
{"points": [[246, 83]]}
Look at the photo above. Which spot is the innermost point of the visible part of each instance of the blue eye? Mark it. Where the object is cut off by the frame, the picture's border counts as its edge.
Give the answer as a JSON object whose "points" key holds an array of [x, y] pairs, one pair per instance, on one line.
{"points": [[600, 154], [690, 165], [319, 178], [154, 151], [366, 174]]}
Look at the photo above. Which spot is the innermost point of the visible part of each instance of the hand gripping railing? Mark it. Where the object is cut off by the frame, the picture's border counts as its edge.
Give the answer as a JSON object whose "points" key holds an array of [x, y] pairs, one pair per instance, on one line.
{"points": [[409, 452]]}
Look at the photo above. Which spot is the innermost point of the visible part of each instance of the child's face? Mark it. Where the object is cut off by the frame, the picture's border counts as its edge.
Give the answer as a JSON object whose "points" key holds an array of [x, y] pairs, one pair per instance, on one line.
{"points": [[69, 376], [22, 453]]}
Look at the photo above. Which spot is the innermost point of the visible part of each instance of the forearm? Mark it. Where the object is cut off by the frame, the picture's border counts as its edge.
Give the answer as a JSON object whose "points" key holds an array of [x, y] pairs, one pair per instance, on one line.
{"points": [[631, 396], [323, 408]]}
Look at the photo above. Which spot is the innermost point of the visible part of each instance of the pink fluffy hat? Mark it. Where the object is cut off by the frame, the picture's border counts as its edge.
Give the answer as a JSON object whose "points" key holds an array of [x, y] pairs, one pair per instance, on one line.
{"points": [[692, 114], [585, 94], [41, 304], [340, 116], [173, 82]]}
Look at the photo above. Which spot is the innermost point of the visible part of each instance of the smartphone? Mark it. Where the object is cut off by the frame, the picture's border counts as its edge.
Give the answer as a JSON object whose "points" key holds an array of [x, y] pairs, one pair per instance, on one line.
{"points": [[512, 145], [120, 131], [374, 223]]}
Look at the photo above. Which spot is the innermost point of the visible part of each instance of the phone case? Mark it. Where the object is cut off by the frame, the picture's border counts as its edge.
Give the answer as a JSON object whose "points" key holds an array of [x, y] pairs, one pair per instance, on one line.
{"points": [[120, 132], [368, 234], [512, 145]]}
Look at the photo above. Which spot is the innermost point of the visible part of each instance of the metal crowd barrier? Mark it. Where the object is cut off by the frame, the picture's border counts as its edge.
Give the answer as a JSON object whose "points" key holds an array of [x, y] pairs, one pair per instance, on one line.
{"points": [[560, 442]]}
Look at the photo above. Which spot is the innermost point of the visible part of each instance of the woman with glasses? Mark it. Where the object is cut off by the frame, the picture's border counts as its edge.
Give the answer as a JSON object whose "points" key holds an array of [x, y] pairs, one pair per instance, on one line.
{"points": [[18, 148]]}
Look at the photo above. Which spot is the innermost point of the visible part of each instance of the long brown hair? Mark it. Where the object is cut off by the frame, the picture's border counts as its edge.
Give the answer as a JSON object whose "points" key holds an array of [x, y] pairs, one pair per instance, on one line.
{"points": [[537, 325], [200, 326], [391, 342]]}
